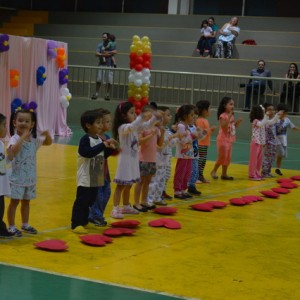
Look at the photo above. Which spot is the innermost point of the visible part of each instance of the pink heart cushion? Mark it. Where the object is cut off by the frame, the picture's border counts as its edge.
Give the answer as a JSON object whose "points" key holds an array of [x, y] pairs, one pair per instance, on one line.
{"points": [[280, 180], [237, 201], [171, 224], [126, 223], [165, 210], [92, 239], [252, 198], [126, 231], [288, 185], [280, 190], [52, 245], [106, 239], [296, 177], [113, 232], [156, 223], [217, 204], [202, 206], [270, 194]]}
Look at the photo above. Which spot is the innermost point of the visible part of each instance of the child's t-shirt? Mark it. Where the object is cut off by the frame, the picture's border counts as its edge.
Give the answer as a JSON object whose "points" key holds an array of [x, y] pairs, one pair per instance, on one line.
{"points": [[203, 124], [147, 151], [281, 130], [4, 182]]}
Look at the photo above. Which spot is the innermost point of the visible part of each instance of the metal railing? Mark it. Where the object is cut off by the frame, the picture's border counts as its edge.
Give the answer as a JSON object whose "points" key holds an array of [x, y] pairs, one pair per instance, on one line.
{"points": [[176, 88]]}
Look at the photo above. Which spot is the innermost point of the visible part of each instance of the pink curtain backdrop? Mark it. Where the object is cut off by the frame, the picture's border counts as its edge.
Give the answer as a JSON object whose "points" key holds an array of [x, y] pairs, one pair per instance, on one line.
{"points": [[26, 55]]}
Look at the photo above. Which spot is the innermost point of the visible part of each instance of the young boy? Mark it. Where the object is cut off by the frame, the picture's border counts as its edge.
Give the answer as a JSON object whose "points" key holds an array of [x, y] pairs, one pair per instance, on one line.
{"points": [[96, 215], [4, 183], [90, 169], [281, 135]]}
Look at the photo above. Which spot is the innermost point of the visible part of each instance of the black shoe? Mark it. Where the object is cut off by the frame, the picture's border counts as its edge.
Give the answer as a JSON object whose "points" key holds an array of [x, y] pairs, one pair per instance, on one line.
{"points": [[278, 172], [242, 85], [5, 234], [180, 196], [246, 109], [98, 222], [166, 196], [107, 98], [142, 209], [148, 207], [94, 97], [192, 190]]}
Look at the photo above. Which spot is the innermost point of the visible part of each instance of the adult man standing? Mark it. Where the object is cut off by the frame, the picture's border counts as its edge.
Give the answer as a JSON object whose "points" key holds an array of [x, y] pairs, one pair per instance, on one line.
{"points": [[257, 86], [105, 51]]}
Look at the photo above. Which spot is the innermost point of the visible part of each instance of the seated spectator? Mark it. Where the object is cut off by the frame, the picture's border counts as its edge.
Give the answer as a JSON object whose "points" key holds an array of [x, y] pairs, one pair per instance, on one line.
{"points": [[203, 43], [215, 28], [228, 34], [257, 86], [291, 90]]}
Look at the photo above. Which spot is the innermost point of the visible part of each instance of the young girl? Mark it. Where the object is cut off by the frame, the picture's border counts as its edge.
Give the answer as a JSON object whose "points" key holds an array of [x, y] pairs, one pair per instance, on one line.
{"points": [[125, 129], [4, 183], [96, 215], [259, 121], [203, 107], [163, 155], [22, 148], [206, 35], [270, 147], [226, 137], [184, 151], [149, 139]]}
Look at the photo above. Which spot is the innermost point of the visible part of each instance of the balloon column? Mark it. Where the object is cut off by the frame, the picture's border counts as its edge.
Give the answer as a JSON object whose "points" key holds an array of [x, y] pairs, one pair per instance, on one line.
{"points": [[4, 44], [139, 75]]}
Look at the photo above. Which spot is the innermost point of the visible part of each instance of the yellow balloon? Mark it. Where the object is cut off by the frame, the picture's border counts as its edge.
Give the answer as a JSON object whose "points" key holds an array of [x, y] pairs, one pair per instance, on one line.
{"points": [[137, 97], [133, 48], [145, 94], [130, 93], [145, 39], [138, 44], [139, 52], [135, 38], [138, 90], [145, 87], [147, 49], [131, 85]]}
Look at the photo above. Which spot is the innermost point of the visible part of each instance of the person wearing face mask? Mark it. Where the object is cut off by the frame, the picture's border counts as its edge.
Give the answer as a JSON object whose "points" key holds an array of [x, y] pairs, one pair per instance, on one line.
{"points": [[257, 86]]}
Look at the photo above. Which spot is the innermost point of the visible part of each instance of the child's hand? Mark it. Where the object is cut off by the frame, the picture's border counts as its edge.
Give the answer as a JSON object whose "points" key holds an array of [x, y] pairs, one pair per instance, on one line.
{"points": [[147, 115], [213, 128], [111, 143], [238, 122]]}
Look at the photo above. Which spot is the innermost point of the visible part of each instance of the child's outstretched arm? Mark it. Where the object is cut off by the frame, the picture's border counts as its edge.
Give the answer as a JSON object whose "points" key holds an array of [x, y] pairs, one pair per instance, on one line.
{"points": [[14, 149]]}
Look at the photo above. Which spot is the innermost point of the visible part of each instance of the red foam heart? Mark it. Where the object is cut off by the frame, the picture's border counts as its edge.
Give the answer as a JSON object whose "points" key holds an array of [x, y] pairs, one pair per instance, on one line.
{"points": [[270, 194], [156, 223], [252, 198], [92, 239], [52, 245], [126, 231], [296, 177], [288, 185], [126, 223], [171, 224], [237, 201], [280, 190], [202, 206], [281, 180], [217, 204], [165, 210], [112, 232]]}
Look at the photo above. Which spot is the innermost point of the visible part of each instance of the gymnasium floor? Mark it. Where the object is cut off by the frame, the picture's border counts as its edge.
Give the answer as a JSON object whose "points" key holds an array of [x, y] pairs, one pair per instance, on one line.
{"points": [[249, 252]]}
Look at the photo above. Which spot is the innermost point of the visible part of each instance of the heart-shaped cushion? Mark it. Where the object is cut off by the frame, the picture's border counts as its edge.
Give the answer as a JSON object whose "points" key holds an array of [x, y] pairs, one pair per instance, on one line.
{"points": [[280, 190], [52, 245], [281, 180], [202, 206], [217, 204], [270, 194], [92, 239], [168, 223], [156, 223], [252, 198], [165, 210], [296, 177], [113, 232], [126, 223], [237, 201], [288, 185]]}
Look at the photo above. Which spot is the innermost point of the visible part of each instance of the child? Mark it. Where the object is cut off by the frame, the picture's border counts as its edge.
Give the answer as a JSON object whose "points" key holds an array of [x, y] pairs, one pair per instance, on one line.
{"points": [[163, 155], [125, 129], [226, 137], [194, 173], [90, 168], [281, 135], [259, 121], [270, 147], [22, 148], [206, 34], [96, 214], [4, 183], [148, 139], [184, 151], [203, 107], [112, 45]]}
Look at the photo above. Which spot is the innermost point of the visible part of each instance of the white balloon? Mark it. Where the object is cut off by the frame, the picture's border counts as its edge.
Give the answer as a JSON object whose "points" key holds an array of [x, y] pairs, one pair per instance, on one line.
{"points": [[147, 82], [131, 78], [138, 82], [64, 91], [69, 97], [138, 75], [146, 79], [146, 72]]}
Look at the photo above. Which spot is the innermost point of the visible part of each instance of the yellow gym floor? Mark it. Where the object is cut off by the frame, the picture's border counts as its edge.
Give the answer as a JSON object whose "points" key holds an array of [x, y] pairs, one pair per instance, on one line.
{"points": [[249, 252]]}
